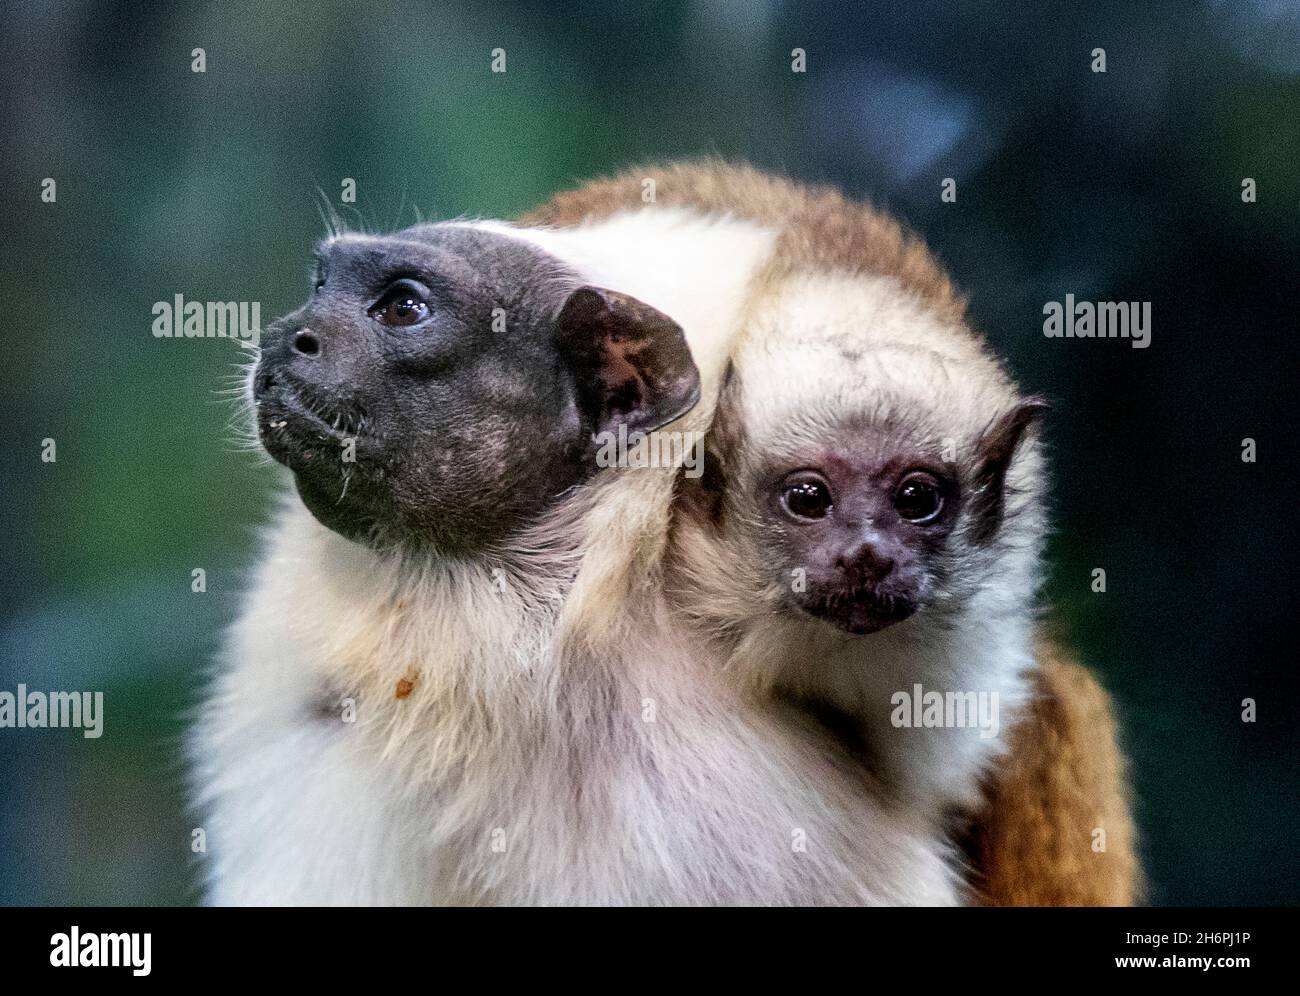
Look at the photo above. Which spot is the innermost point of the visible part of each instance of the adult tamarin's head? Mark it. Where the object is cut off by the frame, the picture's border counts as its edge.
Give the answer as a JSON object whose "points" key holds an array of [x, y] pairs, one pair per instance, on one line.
{"points": [[870, 463], [441, 387]]}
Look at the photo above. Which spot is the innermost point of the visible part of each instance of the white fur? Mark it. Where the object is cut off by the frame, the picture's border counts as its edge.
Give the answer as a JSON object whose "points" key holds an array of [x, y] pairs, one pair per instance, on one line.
{"points": [[696, 269], [565, 738]]}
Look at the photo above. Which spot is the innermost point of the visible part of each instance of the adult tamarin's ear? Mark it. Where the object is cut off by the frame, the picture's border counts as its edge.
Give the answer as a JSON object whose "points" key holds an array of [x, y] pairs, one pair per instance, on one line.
{"points": [[997, 445], [631, 362]]}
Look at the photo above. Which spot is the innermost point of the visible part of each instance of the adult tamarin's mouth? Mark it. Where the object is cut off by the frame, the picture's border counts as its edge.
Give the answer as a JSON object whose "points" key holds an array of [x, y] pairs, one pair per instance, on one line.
{"points": [[858, 610], [290, 419]]}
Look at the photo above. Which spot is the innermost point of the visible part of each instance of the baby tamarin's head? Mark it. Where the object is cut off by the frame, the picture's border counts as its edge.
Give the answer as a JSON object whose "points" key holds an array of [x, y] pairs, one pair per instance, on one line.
{"points": [[862, 477], [442, 386]]}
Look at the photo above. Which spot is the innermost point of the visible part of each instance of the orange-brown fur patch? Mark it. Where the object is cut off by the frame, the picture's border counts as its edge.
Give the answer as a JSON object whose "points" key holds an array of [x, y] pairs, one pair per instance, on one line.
{"points": [[818, 227], [1064, 778]]}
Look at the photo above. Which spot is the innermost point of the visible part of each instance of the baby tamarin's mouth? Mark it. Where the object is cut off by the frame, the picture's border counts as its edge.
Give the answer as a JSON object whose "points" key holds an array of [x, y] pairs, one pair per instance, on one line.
{"points": [[858, 610]]}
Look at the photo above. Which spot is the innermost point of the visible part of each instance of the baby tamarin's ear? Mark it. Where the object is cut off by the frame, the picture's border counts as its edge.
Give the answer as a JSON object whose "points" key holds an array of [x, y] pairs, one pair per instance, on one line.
{"points": [[997, 445], [630, 361]]}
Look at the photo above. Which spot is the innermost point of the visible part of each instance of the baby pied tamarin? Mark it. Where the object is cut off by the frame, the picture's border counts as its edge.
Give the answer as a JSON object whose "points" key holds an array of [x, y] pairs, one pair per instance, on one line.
{"points": [[866, 538], [869, 540], [872, 468]]}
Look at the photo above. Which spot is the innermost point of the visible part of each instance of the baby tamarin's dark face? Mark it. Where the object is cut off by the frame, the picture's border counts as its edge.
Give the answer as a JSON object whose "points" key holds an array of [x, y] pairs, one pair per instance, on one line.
{"points": [[441, 386], [866, 517], [861, 522]]}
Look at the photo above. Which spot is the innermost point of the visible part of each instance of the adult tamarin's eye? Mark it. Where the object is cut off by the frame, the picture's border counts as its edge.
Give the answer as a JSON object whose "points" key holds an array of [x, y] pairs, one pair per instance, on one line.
{"points": [[806, 498], [406, 303], [918, 498]]}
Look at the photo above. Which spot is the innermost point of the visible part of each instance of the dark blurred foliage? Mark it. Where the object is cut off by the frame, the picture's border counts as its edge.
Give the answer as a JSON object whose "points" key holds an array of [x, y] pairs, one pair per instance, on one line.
{"points": [[1117, 186]]}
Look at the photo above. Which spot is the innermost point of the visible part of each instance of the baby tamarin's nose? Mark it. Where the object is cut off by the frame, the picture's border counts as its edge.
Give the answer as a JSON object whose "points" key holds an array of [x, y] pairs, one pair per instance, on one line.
{"points": [[865, 563]]}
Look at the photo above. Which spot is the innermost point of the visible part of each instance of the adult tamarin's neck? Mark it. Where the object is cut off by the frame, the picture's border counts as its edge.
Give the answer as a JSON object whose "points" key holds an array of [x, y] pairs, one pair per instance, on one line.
{"points": [[415, 639]]}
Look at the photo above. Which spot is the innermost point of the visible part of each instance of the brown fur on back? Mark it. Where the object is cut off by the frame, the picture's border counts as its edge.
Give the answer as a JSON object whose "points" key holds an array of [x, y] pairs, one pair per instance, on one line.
{"points": [[1063, 778], [818, 227]]}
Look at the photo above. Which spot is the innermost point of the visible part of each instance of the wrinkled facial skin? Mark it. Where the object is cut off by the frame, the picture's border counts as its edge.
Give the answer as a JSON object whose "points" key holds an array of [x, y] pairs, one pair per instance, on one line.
{"points": [[867, 518], [458, 431]]}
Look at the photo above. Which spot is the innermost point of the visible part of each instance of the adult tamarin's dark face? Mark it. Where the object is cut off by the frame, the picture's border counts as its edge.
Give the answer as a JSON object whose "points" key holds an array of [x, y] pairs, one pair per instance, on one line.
{"points": [[442, 385]]}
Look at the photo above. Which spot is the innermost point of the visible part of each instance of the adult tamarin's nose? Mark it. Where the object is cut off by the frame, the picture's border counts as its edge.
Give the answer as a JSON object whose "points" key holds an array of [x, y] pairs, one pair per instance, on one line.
{"points": [[306, 342], [866, 562]]}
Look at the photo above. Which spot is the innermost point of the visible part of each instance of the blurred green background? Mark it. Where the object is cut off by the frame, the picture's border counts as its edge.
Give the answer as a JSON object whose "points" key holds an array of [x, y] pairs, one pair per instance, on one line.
{"points": [[1117, 186]]}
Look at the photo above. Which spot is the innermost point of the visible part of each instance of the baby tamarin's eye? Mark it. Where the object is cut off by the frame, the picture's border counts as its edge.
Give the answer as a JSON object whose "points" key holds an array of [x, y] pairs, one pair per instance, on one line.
{"points": [[806, 497], [405, 303], [918, 498]]}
